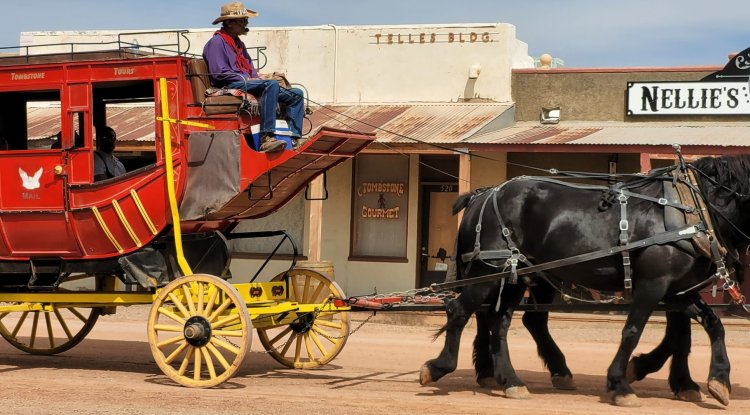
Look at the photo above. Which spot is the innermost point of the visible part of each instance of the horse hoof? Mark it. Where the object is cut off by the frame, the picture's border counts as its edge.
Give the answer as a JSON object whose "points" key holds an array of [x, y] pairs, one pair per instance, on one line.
{"points": [[630, 375], [719, 391], [425, 378], [487, 383], [690, 396], [628, 401], [517, 392], [563, 382]]}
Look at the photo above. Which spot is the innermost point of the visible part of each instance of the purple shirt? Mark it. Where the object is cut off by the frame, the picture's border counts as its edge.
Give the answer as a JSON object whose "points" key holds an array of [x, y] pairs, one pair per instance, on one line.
{"points": [[222, 63]]}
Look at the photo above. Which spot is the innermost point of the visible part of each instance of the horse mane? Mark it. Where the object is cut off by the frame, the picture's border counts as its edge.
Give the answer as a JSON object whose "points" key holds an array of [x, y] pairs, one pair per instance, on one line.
{"points": [[732, 172], [464, 199]]}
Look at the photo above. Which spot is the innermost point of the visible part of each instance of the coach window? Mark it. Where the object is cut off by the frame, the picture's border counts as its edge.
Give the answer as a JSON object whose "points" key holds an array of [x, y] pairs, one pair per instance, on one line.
{"points": [[128, 108], [380, 202], [29, 120]]}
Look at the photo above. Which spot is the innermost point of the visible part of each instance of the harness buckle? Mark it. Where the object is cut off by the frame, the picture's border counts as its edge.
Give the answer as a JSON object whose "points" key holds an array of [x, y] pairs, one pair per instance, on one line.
{"points": [[626, 261], [628, 283], [623, 224], [506, 232], [663, 201], [478, 228]]}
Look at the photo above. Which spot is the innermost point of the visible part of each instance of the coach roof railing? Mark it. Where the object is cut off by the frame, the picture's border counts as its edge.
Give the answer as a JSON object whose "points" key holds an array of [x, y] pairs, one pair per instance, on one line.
{"points": [[138, 45]]}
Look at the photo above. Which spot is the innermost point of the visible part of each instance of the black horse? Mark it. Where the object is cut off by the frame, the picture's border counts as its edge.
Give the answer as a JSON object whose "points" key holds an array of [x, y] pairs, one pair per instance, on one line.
{"points": [[542, 220]]}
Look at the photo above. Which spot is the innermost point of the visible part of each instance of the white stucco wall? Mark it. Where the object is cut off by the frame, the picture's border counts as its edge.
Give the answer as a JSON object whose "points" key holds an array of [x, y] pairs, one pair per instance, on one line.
{"points": [[362, 64]]}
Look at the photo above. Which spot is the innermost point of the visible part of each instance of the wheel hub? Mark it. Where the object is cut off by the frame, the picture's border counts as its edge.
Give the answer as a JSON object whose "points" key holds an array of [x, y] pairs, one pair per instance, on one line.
{"points": [[303, 324], [197, 331]]}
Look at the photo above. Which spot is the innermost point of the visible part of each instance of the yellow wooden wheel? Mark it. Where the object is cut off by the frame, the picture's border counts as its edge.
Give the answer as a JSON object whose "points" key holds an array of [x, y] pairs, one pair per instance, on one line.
{"points": [[312, 340], [47, 332], [199, 330]]}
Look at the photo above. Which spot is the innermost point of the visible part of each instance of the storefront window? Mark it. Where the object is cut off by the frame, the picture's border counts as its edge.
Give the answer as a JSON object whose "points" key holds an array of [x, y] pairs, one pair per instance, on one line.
{"points": [[380, 207]]}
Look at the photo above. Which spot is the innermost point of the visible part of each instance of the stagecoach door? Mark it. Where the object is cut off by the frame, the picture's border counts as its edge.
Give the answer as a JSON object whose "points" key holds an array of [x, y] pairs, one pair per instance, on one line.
{"points": [[438, 231]]}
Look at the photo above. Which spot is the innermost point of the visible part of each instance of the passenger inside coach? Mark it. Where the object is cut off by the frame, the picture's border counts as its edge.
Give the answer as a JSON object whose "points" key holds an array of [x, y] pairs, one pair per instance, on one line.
{"points": [[106, 165]]}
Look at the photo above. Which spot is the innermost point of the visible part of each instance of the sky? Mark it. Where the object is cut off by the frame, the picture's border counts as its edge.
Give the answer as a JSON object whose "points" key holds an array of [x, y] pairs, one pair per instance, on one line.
{"points": [[584, 33]]}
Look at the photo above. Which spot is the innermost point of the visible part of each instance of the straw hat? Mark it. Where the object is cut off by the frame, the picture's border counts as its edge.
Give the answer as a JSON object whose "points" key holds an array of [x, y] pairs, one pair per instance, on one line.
{"points": [[235, 10]]}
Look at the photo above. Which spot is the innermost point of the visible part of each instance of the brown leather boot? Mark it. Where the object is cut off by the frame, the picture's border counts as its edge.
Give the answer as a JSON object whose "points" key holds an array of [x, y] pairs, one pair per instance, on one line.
{"points": [[269, 144]]}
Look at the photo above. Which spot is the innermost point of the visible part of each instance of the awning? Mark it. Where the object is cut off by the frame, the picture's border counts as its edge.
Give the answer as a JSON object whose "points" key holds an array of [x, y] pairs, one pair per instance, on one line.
{"points": [[654, 133], [441, 123]]}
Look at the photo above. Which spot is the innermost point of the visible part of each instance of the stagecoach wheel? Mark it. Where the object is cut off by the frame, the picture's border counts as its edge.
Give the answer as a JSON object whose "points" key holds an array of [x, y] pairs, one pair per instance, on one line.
{"points": [[311, 340], [199, 330], [47, 332]]}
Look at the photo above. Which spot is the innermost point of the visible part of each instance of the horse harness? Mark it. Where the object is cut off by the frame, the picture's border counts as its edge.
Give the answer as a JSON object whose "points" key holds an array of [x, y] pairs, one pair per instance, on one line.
{"points": [[694, 224]]}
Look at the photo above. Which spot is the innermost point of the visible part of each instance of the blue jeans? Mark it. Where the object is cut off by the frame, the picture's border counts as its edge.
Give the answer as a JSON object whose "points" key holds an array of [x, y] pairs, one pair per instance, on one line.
{"points": [[269, 93]]}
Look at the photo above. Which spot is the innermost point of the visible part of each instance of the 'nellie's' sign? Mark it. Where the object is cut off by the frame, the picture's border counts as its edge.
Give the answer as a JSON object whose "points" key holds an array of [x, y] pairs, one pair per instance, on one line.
{"points": [[726, 92], [688, 98]]}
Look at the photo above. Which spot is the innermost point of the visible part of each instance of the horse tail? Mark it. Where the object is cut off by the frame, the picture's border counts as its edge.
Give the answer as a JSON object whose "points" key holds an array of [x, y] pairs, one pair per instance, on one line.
{"points": [[462, 202]]}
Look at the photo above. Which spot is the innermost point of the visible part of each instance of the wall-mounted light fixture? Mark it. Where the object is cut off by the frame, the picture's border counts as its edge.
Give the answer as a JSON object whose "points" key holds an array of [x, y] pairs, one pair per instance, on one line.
{"points": [[474, 71], [550, 115]]}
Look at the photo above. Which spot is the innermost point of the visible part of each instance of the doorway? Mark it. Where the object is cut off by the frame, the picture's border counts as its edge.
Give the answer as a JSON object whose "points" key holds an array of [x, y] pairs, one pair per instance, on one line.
{"points": [[438, 226]]}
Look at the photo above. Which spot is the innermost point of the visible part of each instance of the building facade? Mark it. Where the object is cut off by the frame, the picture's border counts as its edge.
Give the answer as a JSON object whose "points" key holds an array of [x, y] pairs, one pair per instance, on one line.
{"points": [[455, 108]]}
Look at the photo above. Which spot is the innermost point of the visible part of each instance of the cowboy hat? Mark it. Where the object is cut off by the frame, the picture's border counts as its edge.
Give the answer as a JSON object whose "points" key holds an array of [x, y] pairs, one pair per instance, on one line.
{"points": [[235, 10]]}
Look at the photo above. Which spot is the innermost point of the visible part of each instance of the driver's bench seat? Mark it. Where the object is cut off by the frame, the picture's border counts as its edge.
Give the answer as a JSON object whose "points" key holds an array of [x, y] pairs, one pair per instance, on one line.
{"points": [[217, 100]]}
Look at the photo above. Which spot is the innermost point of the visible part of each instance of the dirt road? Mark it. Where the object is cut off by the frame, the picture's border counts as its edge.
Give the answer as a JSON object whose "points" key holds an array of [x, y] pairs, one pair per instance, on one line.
{"points": [[112, 372]]}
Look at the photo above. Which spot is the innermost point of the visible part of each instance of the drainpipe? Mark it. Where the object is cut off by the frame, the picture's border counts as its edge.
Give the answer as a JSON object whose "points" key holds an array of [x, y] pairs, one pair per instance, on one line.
{"points": [[335, 57]]}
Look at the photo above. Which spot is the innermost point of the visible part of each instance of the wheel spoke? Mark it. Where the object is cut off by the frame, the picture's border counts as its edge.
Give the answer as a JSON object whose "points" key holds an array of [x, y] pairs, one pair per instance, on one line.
{"points": [[185, 362], [48, 322], [308, 347], [280, 335], [78, 314], [327, 323], [227, 302], [171, 315], [317, 342], [176, 301], [20, 323], [324, 334], [298, 349], [288, 344], [306, 291], [293, 290], [175, 353], [225, 322], [168, 327], [171, 340], [200, 299], [214, 291], [228, 333], [34, 326], [224, 345], [314, 297], [64, 325], [217, 354], [189, 299], [209, 363], [198, 366]]}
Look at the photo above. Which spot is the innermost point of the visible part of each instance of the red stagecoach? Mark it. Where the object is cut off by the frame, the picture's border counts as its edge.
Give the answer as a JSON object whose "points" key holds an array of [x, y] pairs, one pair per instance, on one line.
{"points": [[72, 249]]}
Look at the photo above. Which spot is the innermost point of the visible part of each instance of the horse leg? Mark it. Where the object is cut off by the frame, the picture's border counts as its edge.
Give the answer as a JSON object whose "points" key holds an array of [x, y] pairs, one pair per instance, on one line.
{"points": [[537, 323], [458, 315], [718, 372], [500, 322], [645, 299], [482, 356], [676, 343]]}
